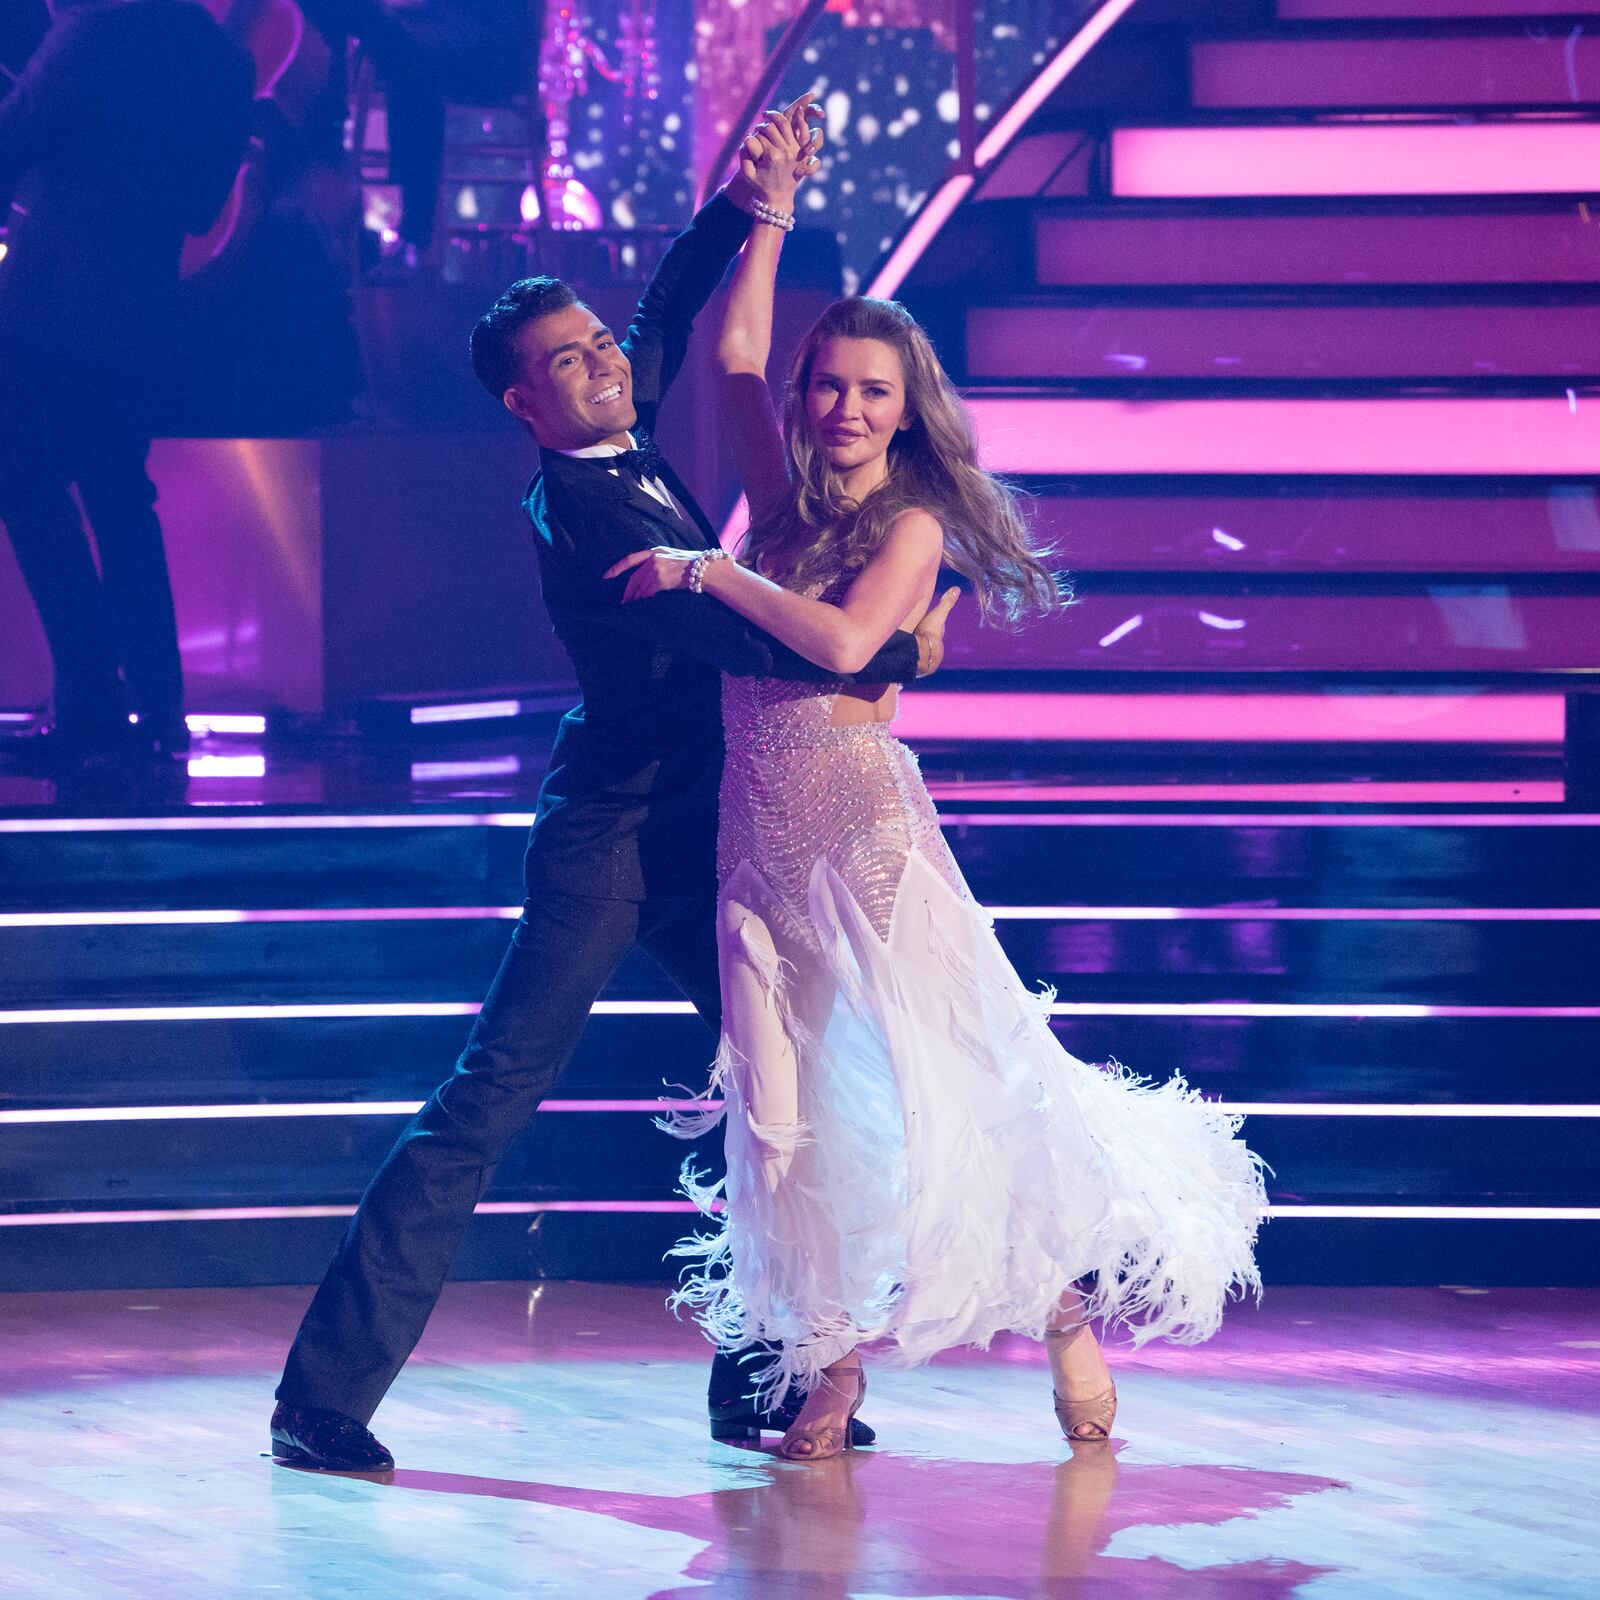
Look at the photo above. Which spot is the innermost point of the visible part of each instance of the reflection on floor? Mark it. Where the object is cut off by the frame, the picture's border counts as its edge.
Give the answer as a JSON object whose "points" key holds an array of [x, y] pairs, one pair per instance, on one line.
{"points": [[1362, 1443]]}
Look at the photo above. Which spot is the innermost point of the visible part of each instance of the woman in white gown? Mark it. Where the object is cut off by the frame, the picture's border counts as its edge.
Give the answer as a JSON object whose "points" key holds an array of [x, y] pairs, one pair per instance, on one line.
{"points": [[914, 1162]]}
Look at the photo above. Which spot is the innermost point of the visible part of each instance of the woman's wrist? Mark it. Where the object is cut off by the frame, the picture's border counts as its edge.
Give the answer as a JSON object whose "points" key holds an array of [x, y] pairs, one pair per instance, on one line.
{"points": [[701, 578], [753, 199]]}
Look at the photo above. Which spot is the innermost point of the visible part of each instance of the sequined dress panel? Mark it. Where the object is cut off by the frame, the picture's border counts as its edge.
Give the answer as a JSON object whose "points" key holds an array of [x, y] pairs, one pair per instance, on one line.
{"points": [[796, 790]]}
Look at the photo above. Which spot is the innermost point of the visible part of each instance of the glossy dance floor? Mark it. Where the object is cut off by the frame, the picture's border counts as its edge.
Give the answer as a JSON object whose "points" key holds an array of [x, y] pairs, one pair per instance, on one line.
{"points": [[1385, 1443]]}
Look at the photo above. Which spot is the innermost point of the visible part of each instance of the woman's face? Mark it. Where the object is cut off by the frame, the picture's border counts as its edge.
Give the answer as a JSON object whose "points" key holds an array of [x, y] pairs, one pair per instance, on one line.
{"points": [[855, 401]]}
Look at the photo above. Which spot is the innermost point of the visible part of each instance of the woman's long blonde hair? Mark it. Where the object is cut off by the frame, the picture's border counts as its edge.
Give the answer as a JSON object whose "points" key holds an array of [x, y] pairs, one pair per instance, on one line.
{"points": [[932, 465]]}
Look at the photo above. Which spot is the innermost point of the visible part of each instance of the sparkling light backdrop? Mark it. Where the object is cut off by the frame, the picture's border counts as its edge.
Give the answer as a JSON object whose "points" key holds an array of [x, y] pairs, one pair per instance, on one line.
{"points": [[886, 75]]}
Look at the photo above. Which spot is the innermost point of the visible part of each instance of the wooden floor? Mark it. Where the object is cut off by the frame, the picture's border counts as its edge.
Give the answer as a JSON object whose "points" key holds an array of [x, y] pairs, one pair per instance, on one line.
{"points": [[1385, 1443]]}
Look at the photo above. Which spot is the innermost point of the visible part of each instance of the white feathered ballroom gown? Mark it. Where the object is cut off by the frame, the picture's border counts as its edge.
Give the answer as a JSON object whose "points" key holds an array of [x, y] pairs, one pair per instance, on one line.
{"points": [[914, 1161]]}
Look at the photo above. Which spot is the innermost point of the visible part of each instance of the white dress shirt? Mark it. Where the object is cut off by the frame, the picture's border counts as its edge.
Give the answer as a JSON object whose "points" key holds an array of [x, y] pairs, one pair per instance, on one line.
{"points": [[653, 487]]}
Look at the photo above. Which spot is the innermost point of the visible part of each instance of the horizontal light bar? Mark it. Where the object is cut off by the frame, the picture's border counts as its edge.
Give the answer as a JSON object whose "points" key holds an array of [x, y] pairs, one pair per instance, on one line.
{"points": [[475, 711], [1384, 434], [1320, 1108], [335, 914], [1508, 791], [404, 1009], [519, 1208], [1293, 914], [1444, 1213], [1268, 819], [184, 917], [1357, 1010], [447, 771], [988, 716], [227, 766], [201, 723], [257, 822], [306, 1108], [1545, 156], [485, 1208], [50, 1115], [293, 1012]]}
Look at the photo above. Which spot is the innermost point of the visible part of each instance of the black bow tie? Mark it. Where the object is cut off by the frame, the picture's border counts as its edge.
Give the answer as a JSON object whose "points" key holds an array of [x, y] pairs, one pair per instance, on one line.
{"points": [[644, 461]]}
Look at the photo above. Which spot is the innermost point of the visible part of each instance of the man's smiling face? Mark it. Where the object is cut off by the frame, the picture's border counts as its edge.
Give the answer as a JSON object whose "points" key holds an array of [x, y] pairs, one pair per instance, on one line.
{"points": [[574, 386]]}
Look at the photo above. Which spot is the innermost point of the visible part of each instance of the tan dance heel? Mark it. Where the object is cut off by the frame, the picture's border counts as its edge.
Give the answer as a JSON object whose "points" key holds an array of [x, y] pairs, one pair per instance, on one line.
{"points": [[827, 1439], [1082, 1421]]}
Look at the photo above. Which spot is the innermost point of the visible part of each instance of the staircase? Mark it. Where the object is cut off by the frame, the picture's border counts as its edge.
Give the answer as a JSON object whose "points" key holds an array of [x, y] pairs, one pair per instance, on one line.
{"points": [[213, 1024], [1288, 315]]}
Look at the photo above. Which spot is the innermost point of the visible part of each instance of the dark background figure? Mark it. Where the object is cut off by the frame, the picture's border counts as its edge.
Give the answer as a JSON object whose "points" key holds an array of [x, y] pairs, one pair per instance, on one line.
{"points": [[122, 134], [426, 53]]}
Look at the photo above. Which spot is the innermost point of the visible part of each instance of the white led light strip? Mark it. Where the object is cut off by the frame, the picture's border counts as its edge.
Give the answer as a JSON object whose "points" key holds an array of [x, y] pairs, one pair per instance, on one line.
{"points": [[415, 1009], [515, 1208], [245, 1111], [197, 917]]}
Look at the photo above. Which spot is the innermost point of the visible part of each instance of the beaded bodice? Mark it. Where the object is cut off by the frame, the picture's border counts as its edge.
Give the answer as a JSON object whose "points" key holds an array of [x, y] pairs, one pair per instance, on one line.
{"points": [[797, 790]]}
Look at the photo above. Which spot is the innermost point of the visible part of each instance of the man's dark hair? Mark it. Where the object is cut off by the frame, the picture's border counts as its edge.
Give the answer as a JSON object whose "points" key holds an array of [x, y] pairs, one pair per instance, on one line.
{"points": [[494, 339]]}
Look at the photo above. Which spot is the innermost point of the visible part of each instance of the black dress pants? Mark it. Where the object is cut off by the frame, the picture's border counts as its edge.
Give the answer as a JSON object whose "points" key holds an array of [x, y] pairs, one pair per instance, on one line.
{"points": [[393, 1260], [112, 632]]}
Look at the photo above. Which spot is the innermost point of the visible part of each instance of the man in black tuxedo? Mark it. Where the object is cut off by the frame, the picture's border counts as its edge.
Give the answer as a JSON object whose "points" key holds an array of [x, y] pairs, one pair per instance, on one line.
{"points": [[122, 134], [623, 848]]}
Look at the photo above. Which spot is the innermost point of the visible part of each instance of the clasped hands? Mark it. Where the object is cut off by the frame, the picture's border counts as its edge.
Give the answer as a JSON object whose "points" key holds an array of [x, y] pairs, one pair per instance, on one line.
{"points": [[778, 155]]}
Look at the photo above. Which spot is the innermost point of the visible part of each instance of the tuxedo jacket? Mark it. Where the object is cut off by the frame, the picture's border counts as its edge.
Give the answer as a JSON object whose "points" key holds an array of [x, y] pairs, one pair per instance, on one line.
{"points": [[628, 809]]}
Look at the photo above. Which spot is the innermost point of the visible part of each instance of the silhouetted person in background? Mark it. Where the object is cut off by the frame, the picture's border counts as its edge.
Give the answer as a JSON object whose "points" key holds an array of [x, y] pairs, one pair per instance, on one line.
{"points": [[425, 53], [122, 134]]}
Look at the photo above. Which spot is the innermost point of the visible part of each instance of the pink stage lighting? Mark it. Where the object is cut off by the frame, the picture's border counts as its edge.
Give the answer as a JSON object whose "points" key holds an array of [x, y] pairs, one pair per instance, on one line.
{"points": [[1400, 158], [1080, 437], [933, 714]]}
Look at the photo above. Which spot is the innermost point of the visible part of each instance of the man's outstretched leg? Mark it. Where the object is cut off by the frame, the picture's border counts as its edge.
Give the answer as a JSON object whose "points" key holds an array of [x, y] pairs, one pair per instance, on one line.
{"points": [[391, 1264]]}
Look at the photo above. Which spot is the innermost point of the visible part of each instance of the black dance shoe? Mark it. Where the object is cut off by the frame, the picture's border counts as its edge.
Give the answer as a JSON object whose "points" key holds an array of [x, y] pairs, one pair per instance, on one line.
{"points": [[738, 1421], [328, 1440]]}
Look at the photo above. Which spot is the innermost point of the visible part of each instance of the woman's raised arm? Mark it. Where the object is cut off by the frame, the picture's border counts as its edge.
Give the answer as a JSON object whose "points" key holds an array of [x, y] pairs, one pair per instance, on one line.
{"points": [[774, 160]]}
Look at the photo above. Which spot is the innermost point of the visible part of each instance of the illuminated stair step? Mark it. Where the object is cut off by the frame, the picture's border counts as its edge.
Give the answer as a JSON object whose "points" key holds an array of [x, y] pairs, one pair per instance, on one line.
{"points": [[1530, 961], [1034, 434], [1448, 626], [1262, 244], [1400, 158], [1517, 67], [1304, 1055], [1364, 10], [1272, 341], [1509, 1161]]}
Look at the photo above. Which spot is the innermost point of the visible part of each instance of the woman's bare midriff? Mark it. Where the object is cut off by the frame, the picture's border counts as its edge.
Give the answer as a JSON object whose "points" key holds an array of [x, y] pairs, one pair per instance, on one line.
{"points": [[865, 702]]}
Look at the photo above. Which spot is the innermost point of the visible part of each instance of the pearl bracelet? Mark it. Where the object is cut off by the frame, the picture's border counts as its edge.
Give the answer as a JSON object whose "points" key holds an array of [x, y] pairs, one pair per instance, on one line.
{"points": [[762, 212], [697, 568]]}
